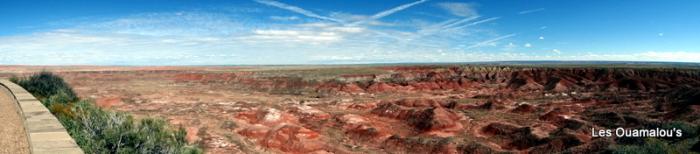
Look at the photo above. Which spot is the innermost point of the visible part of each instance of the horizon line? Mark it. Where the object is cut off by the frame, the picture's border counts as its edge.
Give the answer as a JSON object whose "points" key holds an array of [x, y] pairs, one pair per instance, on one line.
{"points": [[553, 62]]}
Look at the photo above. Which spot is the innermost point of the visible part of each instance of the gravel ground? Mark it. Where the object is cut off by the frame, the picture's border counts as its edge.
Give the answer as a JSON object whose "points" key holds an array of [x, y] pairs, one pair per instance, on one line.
{"points": [[13, 138]]}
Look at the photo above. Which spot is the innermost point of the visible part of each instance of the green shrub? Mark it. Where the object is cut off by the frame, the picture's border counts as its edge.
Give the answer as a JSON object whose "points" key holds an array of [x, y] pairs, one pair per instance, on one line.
{"points": [[61, 97], [655, 145], [689, 130], [100, 131], [46, 84], [396, 80]]}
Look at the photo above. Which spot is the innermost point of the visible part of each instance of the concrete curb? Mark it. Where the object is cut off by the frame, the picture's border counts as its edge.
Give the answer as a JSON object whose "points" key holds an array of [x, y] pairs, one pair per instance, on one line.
{"points": [[45, 132]]}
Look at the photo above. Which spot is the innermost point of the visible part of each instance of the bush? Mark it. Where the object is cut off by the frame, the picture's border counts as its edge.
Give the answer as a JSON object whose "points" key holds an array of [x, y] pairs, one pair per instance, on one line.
{"points": [[46, 84], [100, 131], [61, 97], [689, 130], [654, 145]]}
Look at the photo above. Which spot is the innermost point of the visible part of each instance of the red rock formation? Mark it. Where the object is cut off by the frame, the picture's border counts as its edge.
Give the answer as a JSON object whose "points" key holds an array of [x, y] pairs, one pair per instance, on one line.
{"points": [[426, 116], [292, 139], [512, 136]]}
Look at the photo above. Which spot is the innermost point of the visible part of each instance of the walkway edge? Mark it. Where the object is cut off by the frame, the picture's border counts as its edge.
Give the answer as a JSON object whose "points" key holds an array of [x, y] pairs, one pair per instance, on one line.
{"points": [[46, 135]]}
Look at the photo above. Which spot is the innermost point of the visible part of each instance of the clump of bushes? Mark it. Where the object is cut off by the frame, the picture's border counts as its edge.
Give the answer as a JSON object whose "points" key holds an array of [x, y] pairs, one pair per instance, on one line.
{"points": [[46, 84], [683, 144], [396, 80], [100, 131], [654, 145]]}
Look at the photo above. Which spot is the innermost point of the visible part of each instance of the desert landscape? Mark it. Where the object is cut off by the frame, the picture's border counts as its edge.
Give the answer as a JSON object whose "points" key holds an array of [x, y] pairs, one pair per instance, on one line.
{"points": [[349, 77], [440, 108]]}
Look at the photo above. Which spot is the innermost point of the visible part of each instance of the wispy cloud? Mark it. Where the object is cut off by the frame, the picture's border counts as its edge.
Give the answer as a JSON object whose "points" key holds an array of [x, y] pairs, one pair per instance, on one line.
{"points": [[672, 56], [477, 22], [388, 12], [530, 11], [489, 42], [61, 47], [461, 22], [510, 46], [284, 18], [349, 17], [193, 23], [211, 37], [314, 34], [441, 26], [485, 20], [297, 10], [660, 56], [459, 8], [556, 51], [343, 18], [296, 36]]}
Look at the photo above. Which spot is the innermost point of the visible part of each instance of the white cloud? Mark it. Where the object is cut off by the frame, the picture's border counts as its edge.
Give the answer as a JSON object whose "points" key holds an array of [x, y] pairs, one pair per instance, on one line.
{"points": [[491, 41], [556, 51], [467, 19], [358, 18], [657, 56], [348, 16], [347, 29], [541, 38], [388, 12], [431, 29], [277, 32], [671, 56], [510, 46], [530, 11], [78, 48], [477, 22], [661, 34], [309, 37], [459, 8], [296, 9], [284, 18], [162, 24], [198, 37]]}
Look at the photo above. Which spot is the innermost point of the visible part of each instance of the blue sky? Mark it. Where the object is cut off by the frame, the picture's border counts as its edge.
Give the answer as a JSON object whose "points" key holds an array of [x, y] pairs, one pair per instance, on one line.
{"points": [[344, 32]]}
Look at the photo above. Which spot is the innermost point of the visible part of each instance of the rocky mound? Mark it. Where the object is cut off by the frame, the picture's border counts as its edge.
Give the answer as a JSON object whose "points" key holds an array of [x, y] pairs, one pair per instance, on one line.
{"points": [[424, 116]]}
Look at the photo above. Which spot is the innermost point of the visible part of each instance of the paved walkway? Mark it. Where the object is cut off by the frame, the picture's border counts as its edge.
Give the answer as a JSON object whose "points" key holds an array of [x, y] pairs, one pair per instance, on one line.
{"points": [[13, 137]]}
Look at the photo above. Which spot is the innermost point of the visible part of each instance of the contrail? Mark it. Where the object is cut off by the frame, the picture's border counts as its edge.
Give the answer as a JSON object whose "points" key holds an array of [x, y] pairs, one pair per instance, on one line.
{"points": [[478, 22], [436, 27], [445, 25], [531, 11], [460, 22], [491, 41], [387, 12], [297, 10], [483, 21]]}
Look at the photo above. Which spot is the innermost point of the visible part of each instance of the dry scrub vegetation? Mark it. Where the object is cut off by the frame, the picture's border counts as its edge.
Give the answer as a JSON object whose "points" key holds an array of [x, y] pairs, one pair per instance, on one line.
{"points": [[100, 131]]}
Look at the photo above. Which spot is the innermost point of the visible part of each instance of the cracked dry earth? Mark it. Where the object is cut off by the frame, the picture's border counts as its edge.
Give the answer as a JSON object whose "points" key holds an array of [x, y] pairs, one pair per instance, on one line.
{"points": [[395, 109], [13, 138]]}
